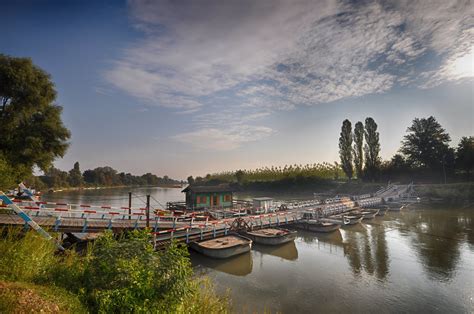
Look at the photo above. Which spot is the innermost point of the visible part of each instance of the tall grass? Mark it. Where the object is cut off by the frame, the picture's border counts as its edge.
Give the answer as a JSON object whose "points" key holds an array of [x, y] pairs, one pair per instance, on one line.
{"points": [[116, 275]]}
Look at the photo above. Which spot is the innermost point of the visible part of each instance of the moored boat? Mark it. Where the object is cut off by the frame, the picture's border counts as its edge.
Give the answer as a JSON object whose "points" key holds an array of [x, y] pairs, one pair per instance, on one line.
{"points": [[368, 213], [350, 219], [383, 210], [317, 226], [223, 247], [396, 207], [271, 236]]}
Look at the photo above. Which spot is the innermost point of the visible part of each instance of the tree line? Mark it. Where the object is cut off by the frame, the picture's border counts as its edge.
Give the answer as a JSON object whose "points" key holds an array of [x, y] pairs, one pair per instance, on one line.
{"points": [[32, 134], [424, 154], [100, 176]]}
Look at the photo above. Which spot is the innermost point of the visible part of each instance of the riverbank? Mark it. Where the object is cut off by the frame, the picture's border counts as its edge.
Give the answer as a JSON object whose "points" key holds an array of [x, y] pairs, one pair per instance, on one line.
{"points": [[67, 189], [115, 275], [452, 193]]}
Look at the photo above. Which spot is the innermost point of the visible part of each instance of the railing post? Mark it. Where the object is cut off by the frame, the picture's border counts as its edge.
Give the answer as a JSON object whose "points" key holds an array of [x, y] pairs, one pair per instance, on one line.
{"points": [[129, 205], [157, 220], [148, 211], [187, 235]]}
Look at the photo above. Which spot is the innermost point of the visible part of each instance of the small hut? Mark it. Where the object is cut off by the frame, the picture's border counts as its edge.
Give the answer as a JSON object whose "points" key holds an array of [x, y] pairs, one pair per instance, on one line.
{"points": [[201, 197]]}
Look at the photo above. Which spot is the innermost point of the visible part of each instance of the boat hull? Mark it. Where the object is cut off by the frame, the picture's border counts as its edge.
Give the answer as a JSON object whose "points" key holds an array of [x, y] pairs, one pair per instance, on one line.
{"points": [[224, 252], [350, 219], [288, 236], [317, 227]]}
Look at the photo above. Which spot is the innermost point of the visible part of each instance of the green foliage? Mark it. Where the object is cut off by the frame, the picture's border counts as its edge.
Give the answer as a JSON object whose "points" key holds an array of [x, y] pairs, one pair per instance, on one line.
{"points": [[75, 175], [273, 177], [190, 180], [239, 175], [115, 276], [30, 123], [20, 297], [426, 143], [7, 174], [358, 149], [465, 155], [345, 148], [372, 149], [25, 256]]}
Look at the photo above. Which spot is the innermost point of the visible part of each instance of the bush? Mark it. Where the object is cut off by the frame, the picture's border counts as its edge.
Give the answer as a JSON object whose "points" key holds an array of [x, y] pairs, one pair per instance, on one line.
{"points": [[115, 276]]}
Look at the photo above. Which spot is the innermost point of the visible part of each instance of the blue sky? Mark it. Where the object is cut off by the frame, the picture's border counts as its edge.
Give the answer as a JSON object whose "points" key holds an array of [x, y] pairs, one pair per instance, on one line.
{"points": [[183, 87]]}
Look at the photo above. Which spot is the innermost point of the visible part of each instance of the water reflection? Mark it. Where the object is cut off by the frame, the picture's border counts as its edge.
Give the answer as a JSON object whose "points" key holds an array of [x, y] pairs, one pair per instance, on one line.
{"points": [[436, 236], [285, 251], [239, 265]]}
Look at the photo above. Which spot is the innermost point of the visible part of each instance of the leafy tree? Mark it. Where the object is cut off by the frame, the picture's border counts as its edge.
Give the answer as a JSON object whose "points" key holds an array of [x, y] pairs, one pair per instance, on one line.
{"points": [[6, 174], [345, 148], [358, 148], [56, 178], [75, 175], [426, 144], [190, 180], [31, 129], [465, 155], [371, 148], [239, 175]]}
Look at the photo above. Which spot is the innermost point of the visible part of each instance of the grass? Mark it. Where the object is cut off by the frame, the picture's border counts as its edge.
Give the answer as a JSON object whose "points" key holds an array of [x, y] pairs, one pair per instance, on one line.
{"points": [[21, 297], [455, 193], [115, 275]]}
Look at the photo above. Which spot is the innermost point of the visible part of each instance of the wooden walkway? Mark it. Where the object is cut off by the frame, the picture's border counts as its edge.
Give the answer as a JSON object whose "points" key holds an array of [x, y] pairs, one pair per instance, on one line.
{"points": [[166, 228]]}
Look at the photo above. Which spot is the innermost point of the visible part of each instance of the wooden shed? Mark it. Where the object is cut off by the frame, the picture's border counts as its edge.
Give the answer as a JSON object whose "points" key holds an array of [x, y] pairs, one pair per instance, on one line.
{"points": [[201, 197]]}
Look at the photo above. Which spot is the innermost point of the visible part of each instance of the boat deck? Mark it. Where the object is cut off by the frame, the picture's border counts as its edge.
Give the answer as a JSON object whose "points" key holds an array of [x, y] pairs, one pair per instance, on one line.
{"points": [[224, 242], [268, 232]]}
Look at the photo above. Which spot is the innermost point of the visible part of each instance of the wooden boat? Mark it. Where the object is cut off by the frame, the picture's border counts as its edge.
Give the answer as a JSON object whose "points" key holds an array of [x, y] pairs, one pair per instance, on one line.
{"points": [[350, 219], [368, 213], [383, 210], [317, 226], [270, 236], [223, 247], [395, 207]]}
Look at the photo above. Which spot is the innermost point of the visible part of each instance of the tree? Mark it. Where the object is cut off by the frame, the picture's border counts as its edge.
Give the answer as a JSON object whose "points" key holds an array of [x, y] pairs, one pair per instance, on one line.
{"points": [[190, 180], [371, 148], [345, 148], [31, 129], [239, 175], [75, 176], [465, 155], [426, 144], [358, 148]]}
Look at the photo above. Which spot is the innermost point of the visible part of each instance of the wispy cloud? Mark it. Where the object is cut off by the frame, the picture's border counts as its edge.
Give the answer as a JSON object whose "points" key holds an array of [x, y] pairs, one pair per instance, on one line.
{"points": [[266, 56]]}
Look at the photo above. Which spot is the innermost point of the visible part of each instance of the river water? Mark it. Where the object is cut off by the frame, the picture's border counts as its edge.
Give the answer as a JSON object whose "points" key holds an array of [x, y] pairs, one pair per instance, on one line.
{"points": [[421, 260]]}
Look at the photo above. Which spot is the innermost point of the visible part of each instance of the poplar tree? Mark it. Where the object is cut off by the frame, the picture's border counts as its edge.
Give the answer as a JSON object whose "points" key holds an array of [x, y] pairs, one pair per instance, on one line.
{"points": [[359, 148], [345, 148], [371, 149]]}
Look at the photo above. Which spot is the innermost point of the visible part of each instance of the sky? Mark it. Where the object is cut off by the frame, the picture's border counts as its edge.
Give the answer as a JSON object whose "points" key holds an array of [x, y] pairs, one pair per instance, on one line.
{"points": [[184, 88]]}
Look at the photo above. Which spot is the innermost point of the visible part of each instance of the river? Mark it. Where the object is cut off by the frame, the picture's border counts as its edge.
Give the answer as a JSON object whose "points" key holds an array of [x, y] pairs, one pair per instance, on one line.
{"points": [[421, 260]]}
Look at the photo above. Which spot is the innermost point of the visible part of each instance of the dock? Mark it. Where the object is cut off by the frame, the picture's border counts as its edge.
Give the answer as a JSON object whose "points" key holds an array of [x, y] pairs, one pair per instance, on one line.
{"points": [[81, 218]]}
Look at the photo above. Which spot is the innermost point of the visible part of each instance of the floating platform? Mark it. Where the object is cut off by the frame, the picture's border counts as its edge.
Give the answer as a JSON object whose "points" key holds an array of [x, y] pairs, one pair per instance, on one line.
{"points": [[223, 247], [271, 236], [316, 226]]}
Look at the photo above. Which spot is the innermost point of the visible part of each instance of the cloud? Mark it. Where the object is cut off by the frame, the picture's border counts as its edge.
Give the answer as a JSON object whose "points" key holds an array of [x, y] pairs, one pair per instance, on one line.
{"points": [[251, 58], [223, 139]]}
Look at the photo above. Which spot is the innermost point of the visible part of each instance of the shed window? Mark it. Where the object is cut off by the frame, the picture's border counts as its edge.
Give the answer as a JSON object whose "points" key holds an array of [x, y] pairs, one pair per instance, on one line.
{"points": [[201, 199], [227, 198]]}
